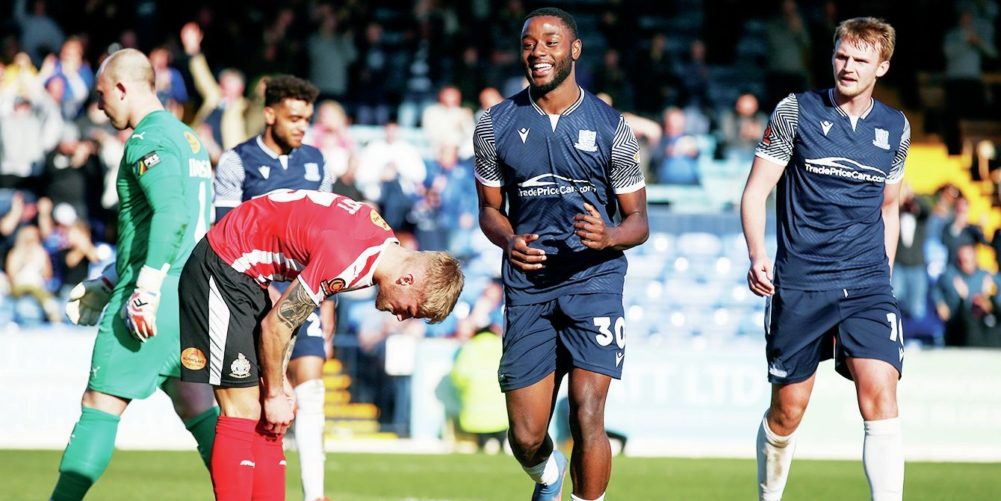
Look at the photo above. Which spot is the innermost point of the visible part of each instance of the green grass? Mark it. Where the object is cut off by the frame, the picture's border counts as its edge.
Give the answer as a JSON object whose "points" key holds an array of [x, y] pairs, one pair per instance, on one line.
{"points": [[152, 476]]}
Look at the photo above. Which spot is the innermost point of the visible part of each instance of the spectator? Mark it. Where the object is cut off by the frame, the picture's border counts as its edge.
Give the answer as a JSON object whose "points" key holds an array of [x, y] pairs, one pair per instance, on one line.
{"points": [[40, 34], [330, 134], [910, 271], [742, 128], [372, 74], [75, 73], [474, 375], [612, 79], [29, 270], [966, 46], [448, 123], [676, 156], [660, 84], [170, 88], [694, 75], [788, 45], [331, 53], [488, 97], [69, 169], [30, 124], [224, 109], [966, 298], [959, 231], [378, 154]]}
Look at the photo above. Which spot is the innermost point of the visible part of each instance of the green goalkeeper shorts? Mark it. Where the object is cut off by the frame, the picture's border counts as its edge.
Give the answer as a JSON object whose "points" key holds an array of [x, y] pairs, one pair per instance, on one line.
{"points": [[123, 366]]}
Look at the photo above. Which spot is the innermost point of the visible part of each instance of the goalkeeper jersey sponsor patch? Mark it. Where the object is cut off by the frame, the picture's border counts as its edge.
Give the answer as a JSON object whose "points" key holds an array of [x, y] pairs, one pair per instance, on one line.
{"points": [[147, 162]]}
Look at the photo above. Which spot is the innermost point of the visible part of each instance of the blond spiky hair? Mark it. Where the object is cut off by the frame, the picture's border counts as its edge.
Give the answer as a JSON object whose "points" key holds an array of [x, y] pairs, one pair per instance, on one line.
{"points": [[869, 31]]}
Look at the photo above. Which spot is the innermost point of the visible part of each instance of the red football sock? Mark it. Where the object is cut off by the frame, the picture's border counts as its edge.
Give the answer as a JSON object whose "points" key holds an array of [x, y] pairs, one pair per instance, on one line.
{"points": [[233, 459], [269, 475]]}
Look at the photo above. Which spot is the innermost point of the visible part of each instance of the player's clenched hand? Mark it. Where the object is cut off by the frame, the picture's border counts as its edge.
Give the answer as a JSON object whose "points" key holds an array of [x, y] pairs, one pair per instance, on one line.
{"points": [[87, 300], [591, 229], [524, 257], [140, 313], [759, 277], [279, 410]]}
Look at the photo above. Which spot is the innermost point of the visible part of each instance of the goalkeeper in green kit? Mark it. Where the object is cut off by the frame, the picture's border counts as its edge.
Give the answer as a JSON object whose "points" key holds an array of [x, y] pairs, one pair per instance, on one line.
{"points": [[165, 190]]}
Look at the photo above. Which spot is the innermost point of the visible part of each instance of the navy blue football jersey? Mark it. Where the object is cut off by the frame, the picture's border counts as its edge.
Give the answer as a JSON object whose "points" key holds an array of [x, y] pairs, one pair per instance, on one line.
{"points": [[547, 167], [830, 196], [251, 169]]}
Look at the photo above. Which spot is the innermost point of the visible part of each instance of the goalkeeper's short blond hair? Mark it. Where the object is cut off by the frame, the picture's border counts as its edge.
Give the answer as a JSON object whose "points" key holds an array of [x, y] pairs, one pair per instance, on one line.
{"points": [[442, 284]]}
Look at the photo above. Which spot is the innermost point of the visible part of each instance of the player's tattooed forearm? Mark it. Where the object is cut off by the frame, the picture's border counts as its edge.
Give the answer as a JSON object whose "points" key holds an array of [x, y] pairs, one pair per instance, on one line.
{"points": [[296, 307]]}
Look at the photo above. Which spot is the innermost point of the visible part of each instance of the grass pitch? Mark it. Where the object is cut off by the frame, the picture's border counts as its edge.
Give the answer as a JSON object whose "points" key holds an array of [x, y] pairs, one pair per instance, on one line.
{"points": [[155, 476]]}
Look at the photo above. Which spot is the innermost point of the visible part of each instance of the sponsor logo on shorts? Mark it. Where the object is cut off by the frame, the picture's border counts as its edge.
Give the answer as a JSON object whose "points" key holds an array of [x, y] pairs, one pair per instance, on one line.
{"points": [[332, 286], [240, 368], [379, 221], [193, 359], [618, 358], [776, 371]]}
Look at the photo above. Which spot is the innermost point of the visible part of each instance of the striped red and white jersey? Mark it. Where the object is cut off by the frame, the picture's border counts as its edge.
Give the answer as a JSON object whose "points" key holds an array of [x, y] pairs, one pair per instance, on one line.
{"points": [[329, 242]]}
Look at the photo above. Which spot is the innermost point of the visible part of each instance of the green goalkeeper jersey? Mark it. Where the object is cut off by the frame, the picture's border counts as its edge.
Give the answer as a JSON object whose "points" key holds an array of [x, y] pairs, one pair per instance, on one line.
{"points": [[164, 194]]}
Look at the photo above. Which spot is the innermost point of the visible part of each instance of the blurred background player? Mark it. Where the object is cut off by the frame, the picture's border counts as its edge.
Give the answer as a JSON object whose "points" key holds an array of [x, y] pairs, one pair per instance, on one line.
{"points": [[837, 156], [164, 189], [273, 160], [564, 272], [328, 244]]}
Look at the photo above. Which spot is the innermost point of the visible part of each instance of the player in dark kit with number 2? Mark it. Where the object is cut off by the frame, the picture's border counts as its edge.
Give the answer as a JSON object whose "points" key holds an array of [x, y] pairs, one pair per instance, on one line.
{"points": [[556, 168], [837, 156], [323, 244]]}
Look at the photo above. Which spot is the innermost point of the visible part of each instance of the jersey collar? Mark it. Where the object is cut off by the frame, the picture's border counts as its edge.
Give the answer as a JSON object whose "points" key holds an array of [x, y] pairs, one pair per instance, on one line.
{"points": [[268, 151], [842, 112], [569, 110]]}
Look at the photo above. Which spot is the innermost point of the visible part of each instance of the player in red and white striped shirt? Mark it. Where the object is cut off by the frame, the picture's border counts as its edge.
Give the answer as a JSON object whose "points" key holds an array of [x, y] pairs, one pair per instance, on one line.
{"points": [[324, 244]]}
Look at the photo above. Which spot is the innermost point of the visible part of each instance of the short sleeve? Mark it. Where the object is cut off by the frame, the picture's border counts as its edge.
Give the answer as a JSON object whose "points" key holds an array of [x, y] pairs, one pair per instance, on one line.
{"points": [[777, 142]]}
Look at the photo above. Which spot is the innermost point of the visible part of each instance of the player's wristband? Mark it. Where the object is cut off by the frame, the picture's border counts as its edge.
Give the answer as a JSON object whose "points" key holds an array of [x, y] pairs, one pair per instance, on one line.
{"points": [[109, 276], [150, 278]]}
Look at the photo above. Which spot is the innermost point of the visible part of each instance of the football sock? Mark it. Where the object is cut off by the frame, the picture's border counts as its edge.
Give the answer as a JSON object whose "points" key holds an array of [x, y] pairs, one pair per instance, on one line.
{"points": [[577, 498], [545, 472], [233, 464], [87, 454], [309, 422], [202, 427], [883, 459], [774, 459], [269, 474]]}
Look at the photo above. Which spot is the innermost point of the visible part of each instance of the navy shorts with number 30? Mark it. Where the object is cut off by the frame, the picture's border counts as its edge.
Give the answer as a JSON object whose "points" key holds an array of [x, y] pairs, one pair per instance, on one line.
{"points": [[803, 328], [585, 331]]}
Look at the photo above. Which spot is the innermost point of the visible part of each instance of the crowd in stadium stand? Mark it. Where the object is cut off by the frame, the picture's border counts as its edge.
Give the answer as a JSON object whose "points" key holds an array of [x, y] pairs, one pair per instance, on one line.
{"points": [[401, 86]]}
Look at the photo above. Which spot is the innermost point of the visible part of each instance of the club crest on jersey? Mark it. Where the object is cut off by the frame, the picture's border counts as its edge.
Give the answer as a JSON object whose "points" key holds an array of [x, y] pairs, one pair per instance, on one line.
{"points": [[585, 140], [193, 358], [192, 142], [147, 162], [240, 368], [332, 286], [312, 171], [265, 171], [379, 221], [882, 139]]}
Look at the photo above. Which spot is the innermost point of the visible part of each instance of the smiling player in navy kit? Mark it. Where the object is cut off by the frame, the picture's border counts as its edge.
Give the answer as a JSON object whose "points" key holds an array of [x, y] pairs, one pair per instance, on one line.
{"points": [[837, 156], [561, 192]]}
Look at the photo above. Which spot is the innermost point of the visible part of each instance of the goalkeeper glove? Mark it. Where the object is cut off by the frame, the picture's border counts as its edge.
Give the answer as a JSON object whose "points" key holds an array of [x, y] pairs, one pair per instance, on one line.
{"points": [[140, 312], [88, 298]]}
